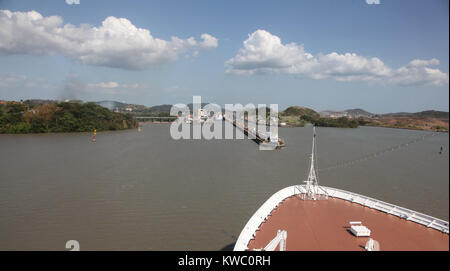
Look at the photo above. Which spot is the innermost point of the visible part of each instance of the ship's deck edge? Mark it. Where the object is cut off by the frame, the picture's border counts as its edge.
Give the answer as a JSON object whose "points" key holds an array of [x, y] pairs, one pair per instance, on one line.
{"points": [[269, 205]]}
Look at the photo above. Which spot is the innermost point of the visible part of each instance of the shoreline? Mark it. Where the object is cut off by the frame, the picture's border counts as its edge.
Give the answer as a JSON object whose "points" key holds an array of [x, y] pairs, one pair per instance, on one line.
{"points": [[69, 133], [167, 122], [407, 128], [375, 126]]}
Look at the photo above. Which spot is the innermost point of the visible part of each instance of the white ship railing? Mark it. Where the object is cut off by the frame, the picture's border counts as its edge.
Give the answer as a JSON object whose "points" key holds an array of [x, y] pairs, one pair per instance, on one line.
{"points": [[248, 233]]}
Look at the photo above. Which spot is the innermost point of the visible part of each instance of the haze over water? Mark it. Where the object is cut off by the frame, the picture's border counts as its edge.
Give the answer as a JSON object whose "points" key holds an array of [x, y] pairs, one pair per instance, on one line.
{"points": [[146, 191]]}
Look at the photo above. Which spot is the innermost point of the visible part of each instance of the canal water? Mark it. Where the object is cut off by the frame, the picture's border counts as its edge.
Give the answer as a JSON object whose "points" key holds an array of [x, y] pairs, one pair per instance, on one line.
{"points": [[143, 190]]}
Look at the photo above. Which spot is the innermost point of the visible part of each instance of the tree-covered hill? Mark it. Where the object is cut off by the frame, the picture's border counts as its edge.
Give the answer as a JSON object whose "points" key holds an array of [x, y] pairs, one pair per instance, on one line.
{"points": [[300, 111], [27, 117]]}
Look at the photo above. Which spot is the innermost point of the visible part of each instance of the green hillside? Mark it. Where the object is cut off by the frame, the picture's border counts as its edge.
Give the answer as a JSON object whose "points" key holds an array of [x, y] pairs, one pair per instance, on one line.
{"points": [[21, 118], [300, 111]]}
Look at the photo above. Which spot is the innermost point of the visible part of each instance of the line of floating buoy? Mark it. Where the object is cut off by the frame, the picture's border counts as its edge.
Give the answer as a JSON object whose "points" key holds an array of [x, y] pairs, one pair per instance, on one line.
{"points": [[379, 153]]}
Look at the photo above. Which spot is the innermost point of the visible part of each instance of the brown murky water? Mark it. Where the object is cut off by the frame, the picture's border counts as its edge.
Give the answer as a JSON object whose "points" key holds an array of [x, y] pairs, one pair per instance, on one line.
{"points": [[146, 191]]}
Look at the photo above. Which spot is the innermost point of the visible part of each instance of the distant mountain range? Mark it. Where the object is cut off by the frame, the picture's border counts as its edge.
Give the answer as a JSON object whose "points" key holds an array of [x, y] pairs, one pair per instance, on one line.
{"points": [[118, 106], [298, 116], [350, 113], [293, 116], [358, 113], [423, 114], [290, 111], [157, 110]]}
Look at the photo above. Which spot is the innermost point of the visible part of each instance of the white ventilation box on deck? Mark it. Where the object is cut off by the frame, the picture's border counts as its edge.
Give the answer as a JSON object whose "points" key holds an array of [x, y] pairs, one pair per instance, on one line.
{"points": [[358, 229]]}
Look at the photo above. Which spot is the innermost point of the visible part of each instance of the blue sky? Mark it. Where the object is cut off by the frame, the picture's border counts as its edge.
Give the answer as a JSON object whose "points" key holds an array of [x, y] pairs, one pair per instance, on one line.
{"points": [[386, 57]]}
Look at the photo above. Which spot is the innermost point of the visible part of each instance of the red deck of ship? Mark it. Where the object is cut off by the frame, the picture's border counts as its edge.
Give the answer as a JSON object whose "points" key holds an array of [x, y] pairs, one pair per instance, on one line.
{"points": [[324, 225]]}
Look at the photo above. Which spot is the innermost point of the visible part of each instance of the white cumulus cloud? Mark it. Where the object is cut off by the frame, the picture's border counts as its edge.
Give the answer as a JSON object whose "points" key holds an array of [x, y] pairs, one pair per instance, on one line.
{"points": [[209, 41], [263, 52], [112, 85], [72, 2], [104, 85], [373, 2], [115, 43]]}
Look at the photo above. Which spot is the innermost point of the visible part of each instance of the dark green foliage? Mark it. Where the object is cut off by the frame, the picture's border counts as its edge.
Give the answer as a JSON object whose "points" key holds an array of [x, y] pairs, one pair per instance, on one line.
{"points": [[300, 111], [363, 122], [16, 118], [339, 122], [307, 118]]}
